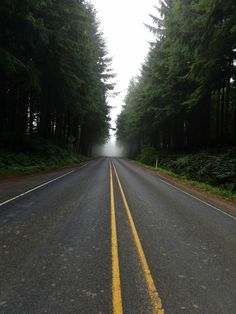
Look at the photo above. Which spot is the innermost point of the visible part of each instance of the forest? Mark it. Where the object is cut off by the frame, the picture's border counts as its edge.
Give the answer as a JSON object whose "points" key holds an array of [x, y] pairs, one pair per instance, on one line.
{"points": [[185, 97], [54, 74]]}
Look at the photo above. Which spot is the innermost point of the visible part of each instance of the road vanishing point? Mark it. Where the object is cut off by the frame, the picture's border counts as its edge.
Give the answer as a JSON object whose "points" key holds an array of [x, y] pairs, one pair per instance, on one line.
{"points": [[111, 237]]}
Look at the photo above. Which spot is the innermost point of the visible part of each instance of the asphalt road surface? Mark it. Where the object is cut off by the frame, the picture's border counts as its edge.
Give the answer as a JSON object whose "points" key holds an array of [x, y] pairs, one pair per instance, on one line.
{"points": [[111, 237]]}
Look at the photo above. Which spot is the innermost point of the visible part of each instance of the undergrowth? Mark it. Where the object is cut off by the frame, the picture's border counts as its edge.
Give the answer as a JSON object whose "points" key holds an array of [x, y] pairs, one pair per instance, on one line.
{"points": [[213, 170], [36, 155]]}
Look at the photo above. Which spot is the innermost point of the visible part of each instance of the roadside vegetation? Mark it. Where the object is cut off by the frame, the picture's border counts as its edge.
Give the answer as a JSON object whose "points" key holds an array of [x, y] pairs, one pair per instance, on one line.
{"points": [[37, 155], [210, 170]]}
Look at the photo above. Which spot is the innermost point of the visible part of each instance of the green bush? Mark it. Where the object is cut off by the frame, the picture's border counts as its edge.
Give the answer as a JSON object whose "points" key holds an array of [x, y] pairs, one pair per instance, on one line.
{"points": [[217, 168], [36, 155], [148, 155]]}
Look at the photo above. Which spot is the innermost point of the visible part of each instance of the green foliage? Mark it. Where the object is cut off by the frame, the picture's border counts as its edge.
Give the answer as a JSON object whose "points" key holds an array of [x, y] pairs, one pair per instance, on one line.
{"points": [[217, 168], [185, 96], [38, 155], [148, 156], [54, 72]]}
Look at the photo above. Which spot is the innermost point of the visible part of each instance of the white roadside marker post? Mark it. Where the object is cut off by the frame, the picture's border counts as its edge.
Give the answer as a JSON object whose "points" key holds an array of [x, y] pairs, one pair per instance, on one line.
{"points": [[156, 163]]}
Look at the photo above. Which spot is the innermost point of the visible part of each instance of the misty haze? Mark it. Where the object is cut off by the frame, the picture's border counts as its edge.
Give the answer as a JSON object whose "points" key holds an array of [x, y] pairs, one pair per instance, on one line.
{"points": [[109, 149]]}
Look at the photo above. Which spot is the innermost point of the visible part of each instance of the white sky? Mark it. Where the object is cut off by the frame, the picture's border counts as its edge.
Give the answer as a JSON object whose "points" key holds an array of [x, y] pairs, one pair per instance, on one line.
{"points": [[122, 22]]}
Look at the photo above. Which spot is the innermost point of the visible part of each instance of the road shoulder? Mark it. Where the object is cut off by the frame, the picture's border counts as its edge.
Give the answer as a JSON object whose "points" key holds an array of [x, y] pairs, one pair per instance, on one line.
{"points": [[206, 196], [15, 185]]}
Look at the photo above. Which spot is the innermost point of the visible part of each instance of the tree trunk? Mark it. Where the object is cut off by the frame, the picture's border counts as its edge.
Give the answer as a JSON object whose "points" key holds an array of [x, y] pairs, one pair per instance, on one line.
{"points": [[227, 100], [217, 129], [222, 116]]}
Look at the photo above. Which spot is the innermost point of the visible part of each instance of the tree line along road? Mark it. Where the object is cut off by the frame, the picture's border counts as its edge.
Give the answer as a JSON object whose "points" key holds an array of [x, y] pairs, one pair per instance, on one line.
{"points": [[111, 237]]}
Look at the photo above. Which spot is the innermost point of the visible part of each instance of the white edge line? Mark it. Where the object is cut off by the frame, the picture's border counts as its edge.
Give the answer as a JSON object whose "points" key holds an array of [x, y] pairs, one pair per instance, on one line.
{"points": [[196, 198], [39, 186]]}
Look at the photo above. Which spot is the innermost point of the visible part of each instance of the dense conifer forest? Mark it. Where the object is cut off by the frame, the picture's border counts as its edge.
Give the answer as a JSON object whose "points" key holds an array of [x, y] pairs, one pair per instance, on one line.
{"points": [[55, 79], [185, 97], [54, 74]]}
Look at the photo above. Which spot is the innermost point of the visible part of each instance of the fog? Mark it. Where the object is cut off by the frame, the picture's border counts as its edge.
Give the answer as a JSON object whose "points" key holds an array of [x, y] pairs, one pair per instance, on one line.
{"points": [[110, 149]]}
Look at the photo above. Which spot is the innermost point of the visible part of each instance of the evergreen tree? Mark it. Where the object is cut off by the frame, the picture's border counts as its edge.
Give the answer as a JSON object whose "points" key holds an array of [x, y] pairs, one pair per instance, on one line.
{"points": [[54, 73], [185, 95]]}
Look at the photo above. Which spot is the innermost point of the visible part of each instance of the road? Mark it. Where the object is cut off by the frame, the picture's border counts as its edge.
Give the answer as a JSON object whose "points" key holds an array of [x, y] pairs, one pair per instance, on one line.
{"points": [[111, 237]]}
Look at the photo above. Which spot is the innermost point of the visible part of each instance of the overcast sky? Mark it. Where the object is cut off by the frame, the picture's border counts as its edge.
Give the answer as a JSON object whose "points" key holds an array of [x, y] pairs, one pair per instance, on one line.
{"points": [[122, 22]]}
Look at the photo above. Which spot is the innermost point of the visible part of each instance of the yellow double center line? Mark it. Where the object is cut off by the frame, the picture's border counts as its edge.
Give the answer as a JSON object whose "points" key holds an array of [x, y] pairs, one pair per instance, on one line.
{"points": [[116, 287]]}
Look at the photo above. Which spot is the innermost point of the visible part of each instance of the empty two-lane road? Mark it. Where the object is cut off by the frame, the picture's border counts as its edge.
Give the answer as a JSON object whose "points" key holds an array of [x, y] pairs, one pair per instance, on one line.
{"points": [[111, 237]]}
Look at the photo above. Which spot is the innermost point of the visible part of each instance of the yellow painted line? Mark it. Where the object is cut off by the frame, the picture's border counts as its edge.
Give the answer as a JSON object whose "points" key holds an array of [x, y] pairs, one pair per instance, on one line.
{"points": [[116, 287], [155, 299]]}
